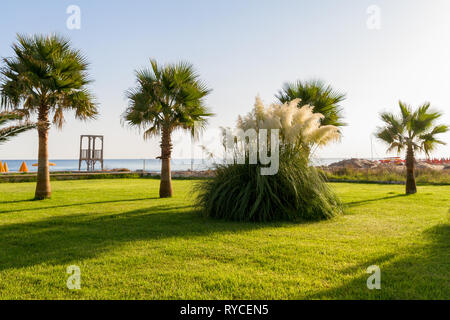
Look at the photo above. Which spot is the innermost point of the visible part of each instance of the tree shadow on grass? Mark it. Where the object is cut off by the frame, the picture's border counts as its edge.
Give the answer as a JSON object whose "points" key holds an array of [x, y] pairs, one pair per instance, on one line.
{"points": [[362, 202], [17, 201], [69, 239], [418, 272], [70, 205]]}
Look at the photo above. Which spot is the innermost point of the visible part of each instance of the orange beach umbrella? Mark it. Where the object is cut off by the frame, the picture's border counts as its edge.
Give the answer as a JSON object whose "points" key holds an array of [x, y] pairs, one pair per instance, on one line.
{"points": [[5, 167], [23, 167], [2, 169]]}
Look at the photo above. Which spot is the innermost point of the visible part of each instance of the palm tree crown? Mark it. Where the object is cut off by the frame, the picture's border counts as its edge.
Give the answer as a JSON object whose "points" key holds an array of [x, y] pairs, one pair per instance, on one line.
{"points": [[167, 98], [170, 96], [316, 93], [414, 128], [46, 74]]}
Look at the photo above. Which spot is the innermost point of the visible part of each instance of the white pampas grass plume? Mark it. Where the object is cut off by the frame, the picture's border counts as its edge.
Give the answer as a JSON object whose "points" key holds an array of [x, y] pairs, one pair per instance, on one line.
{"points": [[297, 125]]}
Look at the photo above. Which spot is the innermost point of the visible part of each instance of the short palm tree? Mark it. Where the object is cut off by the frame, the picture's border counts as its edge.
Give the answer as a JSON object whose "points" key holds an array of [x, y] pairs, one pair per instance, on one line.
{"points": [[315, 93], [413, 130], [167, 98], [46, 77], [8, 132]]}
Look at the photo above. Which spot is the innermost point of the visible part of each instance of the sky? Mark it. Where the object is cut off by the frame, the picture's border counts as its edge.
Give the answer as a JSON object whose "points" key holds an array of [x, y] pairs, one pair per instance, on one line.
{"points": [[242, 48]]}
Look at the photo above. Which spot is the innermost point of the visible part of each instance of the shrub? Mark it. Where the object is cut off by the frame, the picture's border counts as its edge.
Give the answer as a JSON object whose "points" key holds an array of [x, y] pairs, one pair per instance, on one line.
{"points": [[240, 193], [297, 191]]}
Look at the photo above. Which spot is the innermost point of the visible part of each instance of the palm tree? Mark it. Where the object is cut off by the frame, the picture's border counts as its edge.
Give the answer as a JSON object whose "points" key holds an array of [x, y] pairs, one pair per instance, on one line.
{"points": [[167, 98], [46, 77], [8, 132], [413, 130], [315, 93]]}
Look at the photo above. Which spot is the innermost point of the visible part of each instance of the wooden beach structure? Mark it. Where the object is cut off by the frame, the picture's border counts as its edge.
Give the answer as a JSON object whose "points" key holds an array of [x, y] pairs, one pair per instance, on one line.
{"points": [[91, 151]]}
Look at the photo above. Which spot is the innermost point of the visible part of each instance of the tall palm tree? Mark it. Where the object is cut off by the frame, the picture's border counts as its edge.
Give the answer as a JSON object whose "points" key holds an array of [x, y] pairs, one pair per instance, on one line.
{"points": [[8, 132], [413, 130], [167, 98], [46, 77], [315, 93]]}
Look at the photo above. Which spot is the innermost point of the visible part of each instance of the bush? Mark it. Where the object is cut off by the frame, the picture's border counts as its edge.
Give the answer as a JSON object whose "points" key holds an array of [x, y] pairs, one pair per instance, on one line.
{"points": [[241, 193]]}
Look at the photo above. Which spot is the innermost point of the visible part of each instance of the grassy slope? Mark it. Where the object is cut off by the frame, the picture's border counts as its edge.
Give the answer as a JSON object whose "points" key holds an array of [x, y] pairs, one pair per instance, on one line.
{"points": [[131, 245]]}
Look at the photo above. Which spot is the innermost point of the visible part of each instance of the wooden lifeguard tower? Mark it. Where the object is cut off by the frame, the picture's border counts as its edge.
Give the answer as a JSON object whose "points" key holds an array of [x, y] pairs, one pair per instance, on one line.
{"points": [[93, 153]]}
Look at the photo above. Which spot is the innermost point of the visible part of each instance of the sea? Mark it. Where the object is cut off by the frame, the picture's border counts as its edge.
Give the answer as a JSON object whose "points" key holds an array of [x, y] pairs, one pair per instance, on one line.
{"points": [[147, 165]]}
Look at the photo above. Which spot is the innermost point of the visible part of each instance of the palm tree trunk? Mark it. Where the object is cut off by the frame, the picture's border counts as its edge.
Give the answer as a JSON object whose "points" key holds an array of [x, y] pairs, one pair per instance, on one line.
{"points": [[43, 188], [410, 178], [165, 188]]}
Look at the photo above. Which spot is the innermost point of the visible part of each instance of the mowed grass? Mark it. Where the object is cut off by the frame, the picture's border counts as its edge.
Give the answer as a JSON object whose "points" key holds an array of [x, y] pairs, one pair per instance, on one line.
{"points": [[131, 245]]}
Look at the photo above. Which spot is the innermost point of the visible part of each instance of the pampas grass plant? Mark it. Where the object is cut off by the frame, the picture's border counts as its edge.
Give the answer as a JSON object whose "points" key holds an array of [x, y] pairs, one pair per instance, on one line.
{"points": [[296, 193], [238, 192]]}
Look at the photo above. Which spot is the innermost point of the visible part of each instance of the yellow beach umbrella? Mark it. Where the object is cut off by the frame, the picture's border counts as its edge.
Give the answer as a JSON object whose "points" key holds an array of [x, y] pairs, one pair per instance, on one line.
{"points": [[2, 169], [5, 167], [23, 167]]}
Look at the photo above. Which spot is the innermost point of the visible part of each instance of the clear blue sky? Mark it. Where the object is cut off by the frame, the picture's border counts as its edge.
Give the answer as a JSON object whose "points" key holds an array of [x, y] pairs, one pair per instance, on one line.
{"points": [[243, 48]]}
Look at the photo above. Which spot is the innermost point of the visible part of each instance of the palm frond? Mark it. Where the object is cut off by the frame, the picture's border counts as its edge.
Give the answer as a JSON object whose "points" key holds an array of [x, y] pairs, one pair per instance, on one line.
{"points": [[10, 132], [9, 116], [323, 97], [423, 119]]}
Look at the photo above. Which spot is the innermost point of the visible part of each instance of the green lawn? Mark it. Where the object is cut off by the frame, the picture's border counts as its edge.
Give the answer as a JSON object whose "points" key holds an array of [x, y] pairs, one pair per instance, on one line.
{"points": [[131, 245]]}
